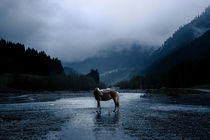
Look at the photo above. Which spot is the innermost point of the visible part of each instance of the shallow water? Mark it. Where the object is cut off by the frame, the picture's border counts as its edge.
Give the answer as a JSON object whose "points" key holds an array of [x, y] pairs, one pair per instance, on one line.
{"points": [[76, 118]]}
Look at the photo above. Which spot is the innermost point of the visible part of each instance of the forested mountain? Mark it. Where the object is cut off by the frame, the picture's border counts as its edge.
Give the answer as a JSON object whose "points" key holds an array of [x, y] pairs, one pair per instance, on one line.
{"points": [[182, 61], [184, 35], [114, 65], [187, 66], [14, 58], [194, 52]]}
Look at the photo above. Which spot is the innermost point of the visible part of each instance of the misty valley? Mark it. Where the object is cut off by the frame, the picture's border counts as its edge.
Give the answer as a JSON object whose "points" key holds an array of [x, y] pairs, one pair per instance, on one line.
{"points": [[48, 89]]}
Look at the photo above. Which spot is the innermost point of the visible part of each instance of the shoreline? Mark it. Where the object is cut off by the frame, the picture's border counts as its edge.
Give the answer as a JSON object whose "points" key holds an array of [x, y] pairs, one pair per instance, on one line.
{"points": [[201, 99], [11, 96], [19, 96]]}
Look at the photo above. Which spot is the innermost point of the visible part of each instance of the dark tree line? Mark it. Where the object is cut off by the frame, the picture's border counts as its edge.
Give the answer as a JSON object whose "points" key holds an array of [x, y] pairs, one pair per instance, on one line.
{"points": [[39, 83], [94, 74], [28, 69], [14, 58]]}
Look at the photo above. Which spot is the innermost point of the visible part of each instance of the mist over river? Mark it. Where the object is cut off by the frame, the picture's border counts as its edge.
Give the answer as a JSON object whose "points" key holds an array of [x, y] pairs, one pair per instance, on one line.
{"points": [[72, 116]]}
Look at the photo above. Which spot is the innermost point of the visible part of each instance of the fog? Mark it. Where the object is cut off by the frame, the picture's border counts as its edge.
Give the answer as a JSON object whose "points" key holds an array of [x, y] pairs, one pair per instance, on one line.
{"points": [[73, 30]]}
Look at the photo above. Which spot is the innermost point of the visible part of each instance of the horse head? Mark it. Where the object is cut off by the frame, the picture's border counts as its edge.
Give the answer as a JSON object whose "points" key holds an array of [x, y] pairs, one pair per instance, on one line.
{"points": [[97, 92]]}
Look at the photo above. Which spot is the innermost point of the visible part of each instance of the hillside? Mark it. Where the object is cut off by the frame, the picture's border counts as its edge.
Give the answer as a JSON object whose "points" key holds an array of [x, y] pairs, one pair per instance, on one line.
{"points": [[187, 66], [184, 35], [193, 52], [115, 66]]}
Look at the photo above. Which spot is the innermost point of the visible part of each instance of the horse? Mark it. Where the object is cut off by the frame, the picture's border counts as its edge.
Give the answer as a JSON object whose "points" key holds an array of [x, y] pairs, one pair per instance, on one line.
{"points": [[101, 95]]}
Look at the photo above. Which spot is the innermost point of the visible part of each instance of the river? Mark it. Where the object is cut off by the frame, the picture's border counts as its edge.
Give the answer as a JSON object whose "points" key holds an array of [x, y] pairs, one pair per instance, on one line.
{"points": [[73, 117]]}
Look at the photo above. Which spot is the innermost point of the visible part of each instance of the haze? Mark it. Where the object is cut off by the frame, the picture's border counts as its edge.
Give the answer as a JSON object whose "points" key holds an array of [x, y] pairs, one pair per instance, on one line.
{"points": [[73, 30]]}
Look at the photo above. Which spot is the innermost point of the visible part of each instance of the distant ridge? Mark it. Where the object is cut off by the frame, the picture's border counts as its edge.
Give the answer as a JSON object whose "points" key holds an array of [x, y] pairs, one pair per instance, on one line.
{"points": [[115, 65]]}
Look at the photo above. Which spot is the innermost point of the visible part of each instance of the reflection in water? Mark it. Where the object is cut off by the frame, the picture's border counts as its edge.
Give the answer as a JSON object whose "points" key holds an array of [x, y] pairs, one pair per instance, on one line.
{"points": [[106, 125], [112, 118]]}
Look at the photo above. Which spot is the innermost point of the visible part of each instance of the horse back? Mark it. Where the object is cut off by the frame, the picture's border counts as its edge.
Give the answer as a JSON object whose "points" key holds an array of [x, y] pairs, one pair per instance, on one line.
{"points": [[109, 94]]}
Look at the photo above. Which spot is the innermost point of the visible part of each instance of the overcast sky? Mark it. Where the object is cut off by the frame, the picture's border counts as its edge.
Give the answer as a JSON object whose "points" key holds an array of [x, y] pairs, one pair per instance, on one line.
{"points": [[76, 29]]}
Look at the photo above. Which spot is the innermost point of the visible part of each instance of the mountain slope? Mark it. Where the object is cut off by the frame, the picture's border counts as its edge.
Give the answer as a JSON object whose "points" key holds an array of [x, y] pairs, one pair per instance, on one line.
{"points": [[193, 64], [184, 35], [115, 66], [193, 52], [185, 67]]}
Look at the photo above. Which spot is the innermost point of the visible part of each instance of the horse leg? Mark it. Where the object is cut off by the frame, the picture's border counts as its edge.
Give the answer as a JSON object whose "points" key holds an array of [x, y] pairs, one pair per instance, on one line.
{"points": [[115, 108], [116, 102], [98, 107]]}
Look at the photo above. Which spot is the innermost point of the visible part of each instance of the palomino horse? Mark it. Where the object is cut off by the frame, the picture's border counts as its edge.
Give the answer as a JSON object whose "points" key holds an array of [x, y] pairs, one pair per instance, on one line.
{"points": [[101, 95]]}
